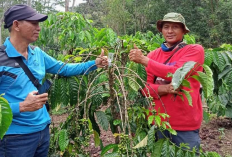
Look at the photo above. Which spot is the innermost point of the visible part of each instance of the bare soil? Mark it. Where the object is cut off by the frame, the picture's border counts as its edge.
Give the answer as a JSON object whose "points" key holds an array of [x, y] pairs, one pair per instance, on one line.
{"points": [[215, 136]]}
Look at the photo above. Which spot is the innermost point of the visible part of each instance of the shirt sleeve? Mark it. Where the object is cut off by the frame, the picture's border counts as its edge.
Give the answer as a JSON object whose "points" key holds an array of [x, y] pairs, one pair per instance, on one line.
{"points": [[53, 66], [193, 53]]}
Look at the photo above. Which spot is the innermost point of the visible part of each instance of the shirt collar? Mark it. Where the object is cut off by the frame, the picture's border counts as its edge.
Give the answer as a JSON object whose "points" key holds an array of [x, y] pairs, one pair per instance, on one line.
{"points": [[165, 48], [11, 51]]}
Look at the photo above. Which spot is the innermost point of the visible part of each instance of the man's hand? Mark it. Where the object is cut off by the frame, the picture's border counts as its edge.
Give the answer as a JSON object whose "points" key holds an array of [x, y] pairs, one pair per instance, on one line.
{"points": [[33, 102], [167, 89], [102, 60], [137, 56]]}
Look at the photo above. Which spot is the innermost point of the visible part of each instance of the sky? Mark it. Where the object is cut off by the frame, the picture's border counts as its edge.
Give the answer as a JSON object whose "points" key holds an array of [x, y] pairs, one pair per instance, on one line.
{"points": [[77, 2]]}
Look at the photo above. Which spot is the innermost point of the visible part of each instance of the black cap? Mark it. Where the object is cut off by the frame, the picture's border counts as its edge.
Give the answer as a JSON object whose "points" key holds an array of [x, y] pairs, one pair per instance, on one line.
{"points": [[22, 12]]}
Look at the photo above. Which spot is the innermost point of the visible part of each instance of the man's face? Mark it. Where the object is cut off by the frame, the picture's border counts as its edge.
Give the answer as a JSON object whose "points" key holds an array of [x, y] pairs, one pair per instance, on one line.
{"points": [[29, 30], [172, 32]]}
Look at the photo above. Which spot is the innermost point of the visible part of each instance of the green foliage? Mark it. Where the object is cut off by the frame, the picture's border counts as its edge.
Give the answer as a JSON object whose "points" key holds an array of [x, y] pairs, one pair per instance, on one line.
{"points": [[63, 139], [158, 148], [181, 73], [102, 120], [188, 96], [108, 147], [220, 102], [6, 116]]}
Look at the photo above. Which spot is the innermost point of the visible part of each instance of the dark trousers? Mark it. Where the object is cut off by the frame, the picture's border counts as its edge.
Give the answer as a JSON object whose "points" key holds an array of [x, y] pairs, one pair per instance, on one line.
{"points": [[192, 138], [26, 145]]}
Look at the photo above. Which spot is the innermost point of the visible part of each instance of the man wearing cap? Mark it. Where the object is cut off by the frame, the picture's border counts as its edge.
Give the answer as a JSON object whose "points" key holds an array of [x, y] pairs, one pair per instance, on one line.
{"points": [[172, 54], [28, 134]]}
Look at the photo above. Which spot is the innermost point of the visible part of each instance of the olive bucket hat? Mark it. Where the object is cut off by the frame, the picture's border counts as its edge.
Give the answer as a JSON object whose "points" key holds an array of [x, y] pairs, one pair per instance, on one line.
{"points": [[172, 17]]}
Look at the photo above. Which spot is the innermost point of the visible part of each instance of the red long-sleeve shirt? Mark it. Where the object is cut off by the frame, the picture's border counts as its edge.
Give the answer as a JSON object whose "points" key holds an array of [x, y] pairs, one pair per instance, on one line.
{"points": [[183, 117]]}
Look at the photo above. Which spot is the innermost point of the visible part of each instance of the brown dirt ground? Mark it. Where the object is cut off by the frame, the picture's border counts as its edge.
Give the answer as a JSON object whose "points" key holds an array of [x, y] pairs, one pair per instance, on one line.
{"points": [[215, 136]]}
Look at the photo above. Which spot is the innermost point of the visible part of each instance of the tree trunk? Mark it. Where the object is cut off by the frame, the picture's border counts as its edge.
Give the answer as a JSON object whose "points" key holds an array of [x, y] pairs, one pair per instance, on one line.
{"points": [[111, 100], [73, 5], [124, 22], [1, 19], [135, 19], [29, 2], [1, 32], [66, 5]]}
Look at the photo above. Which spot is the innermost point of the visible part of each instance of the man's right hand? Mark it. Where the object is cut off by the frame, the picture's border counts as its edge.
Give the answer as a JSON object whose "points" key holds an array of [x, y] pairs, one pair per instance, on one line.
{"points": [[167, 89], [33, 102]]}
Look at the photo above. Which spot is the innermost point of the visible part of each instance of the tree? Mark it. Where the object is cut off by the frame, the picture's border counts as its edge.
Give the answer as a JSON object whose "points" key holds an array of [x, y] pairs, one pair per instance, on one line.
{"points": [[29, 2], [66, 5]]}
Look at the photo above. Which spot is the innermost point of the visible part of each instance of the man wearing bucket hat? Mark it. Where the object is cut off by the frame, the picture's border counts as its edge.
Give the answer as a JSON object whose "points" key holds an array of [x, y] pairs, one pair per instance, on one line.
{"points": [[28, 134], [172, 54]]}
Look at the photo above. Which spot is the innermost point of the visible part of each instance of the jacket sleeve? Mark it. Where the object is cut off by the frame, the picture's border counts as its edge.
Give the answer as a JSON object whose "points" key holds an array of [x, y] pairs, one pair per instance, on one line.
{"points": [[15, 108], [192, 53], [53, 66]]}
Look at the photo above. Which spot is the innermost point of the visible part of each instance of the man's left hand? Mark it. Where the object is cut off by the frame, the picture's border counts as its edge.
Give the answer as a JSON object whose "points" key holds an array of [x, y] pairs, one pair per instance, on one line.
{"points": [[102, 60]]}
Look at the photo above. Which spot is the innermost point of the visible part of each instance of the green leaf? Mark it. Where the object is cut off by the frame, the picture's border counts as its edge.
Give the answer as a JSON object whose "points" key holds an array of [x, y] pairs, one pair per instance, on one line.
{"points": [[170, 75], [157, 120], [63, 140], [157, 148], [208, 57], [96, 138], [219, 60], [206, 116], [229, 54], [150, 119], [212, 154], [97, 98], [180, 153], [227, 69], [173, 132], [102, 120], [64, 91], [114, 154], [206, 81], [55, 94], [151, 135], [142, 143], [117, 121], [209, 81], [228, 80], [142, 73], [172, 151], [108, 147], [165, 148], [0, 115], [73, 90], [188, 96], [88, 35], [81, 36], [6, 116], [186, 83], [131, 80], [180, 74]]}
